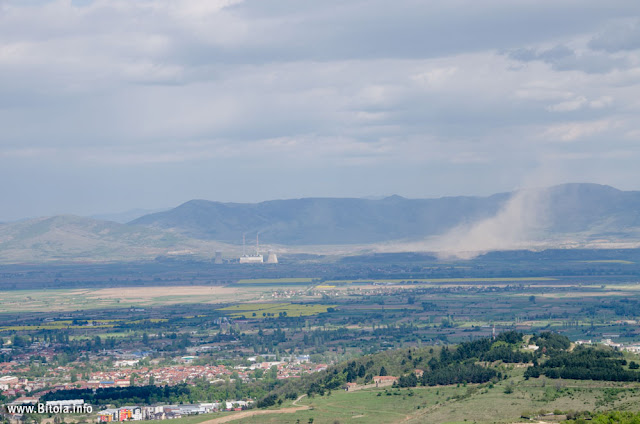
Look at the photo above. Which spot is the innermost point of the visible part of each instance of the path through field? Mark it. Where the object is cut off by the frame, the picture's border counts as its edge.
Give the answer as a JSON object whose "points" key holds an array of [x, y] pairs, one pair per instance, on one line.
{"points": [[252, 413]]}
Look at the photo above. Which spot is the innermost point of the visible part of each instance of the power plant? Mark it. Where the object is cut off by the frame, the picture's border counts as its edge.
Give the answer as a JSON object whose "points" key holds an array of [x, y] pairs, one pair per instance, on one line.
{"points": [[253, 259], [256, 258]]}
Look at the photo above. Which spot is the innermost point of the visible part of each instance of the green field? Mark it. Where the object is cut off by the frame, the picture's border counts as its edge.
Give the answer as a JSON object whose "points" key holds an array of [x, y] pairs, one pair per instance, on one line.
{"points": [[62, 300], [259, 310]]}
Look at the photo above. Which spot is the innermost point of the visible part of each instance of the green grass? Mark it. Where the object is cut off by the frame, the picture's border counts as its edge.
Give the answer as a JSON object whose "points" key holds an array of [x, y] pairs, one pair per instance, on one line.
{"points": [[292, 309], [363, 406], [451, 404], [64, 300]]}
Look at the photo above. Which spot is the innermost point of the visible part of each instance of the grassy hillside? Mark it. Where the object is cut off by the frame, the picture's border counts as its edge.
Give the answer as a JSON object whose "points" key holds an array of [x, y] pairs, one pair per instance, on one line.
{"points": [[480, 403], [74, 238], [507, 394]]}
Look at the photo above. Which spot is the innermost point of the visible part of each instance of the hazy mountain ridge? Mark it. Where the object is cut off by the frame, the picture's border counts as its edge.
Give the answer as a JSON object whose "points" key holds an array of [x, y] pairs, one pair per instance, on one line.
{"points": [[569, 215], [324, 220], [584, 207], [125, 216], [73, 238], [567, 208]]}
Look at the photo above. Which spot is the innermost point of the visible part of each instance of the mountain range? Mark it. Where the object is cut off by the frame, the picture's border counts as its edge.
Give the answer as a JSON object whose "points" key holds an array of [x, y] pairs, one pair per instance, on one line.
{"points": [[567, 208], [578, 212]]}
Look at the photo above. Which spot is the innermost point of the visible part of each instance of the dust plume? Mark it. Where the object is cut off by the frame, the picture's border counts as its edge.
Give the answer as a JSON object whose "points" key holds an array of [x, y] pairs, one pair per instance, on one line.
{"points": [[519, 224]]}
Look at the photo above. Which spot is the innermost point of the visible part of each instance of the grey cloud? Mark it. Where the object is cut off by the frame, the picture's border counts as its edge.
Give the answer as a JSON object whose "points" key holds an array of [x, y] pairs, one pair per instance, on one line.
{"points": [[562, 58], [378, 28], [154, 105], [255, 31], [619, 36], [528, 54]]}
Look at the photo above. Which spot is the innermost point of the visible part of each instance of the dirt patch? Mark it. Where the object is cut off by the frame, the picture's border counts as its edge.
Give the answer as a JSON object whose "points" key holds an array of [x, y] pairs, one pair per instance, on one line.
{"points": [[251, 413]]}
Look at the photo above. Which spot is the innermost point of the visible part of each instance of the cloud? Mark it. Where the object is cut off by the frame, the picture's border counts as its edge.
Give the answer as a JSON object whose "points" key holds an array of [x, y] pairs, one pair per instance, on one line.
{"points": [[602, 102], [581, 102], [411, 97], [573, 131], [436, 77], [570, 105], [563, 58], [620, 35]]}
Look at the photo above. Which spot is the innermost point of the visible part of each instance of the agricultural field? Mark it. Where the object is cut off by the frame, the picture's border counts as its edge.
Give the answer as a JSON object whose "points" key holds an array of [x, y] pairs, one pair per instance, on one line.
{"points": [[443, 280], [59, 300], [275, 281], [258, 310], [447, 311]]}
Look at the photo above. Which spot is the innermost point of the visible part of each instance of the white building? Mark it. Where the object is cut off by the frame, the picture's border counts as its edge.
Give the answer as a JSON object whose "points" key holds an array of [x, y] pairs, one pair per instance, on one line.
{"points": [[8, 382]]}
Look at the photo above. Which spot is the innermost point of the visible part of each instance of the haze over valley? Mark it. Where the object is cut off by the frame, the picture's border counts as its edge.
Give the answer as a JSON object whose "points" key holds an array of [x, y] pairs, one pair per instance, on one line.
{"points": [[564, 216]]}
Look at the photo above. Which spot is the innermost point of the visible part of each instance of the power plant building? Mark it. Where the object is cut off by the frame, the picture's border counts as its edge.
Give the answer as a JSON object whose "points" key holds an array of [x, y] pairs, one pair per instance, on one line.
{"points": [[251, 259], [257, 259]]}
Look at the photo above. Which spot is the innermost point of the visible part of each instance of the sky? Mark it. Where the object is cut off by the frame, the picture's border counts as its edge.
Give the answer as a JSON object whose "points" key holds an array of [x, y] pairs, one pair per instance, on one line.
{"points": [[107, 106]]}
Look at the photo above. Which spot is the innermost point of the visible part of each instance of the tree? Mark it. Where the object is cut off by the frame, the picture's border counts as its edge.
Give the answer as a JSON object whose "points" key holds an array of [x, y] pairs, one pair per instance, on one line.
{"points": [[361, 371], [383, 371], [273, 372]]}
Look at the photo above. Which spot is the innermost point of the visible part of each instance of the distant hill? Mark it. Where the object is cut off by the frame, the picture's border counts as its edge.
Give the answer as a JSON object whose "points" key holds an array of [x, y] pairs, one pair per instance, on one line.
{"points": [[126, 216], [323, 220], [73, 238], [563, 209], [592, 207], [569, 215]]}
